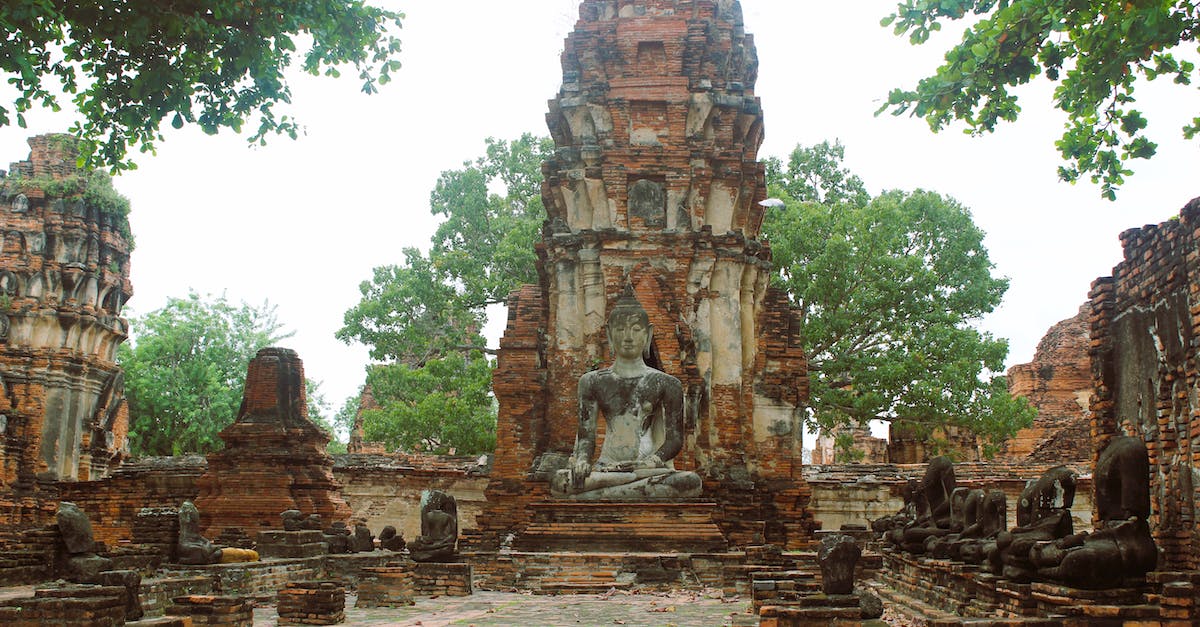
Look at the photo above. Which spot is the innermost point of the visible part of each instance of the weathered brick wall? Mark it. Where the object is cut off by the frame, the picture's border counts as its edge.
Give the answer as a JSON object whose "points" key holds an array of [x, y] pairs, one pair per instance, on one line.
{"points": [[382, 490], [908, 444], [655, 183], [386, 490], [1143, 323], [112, 504], [1058, 382], [64, 277]]}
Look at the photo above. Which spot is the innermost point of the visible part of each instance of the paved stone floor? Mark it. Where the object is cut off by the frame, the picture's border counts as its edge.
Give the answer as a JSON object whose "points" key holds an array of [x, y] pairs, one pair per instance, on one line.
{"points": [[504, 609]]}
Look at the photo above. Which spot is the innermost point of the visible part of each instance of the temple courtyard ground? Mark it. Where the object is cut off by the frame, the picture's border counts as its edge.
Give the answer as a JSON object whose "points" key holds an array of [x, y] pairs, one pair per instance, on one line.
{"points": [[508, 609], [511, 609]]}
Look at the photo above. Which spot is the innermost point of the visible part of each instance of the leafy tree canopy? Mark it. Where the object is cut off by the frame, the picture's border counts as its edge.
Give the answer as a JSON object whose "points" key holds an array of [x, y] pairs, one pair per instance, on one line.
{"points": [[186, 369], [422, 318], [443, 406], [888, 289], [127, 65], [1097, 52], [433, 304]]}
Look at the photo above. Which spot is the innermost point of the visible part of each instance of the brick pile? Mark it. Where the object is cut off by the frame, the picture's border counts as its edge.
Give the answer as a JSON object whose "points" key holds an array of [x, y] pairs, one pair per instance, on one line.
{"points": [[274, 457], [312, 603], [385, 586], [290, 544], [1058, 383], [64, 278], [203, 609], [430, 579], [655, 183]]}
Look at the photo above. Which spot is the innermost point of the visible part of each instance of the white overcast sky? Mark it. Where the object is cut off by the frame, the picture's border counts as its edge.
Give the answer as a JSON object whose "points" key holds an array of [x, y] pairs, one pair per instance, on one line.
{"points": [[302, 223]]}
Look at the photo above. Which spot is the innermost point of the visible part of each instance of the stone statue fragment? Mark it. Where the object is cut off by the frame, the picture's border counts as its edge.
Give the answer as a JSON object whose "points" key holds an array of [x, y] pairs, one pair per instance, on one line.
{"points": [[838, 557]]}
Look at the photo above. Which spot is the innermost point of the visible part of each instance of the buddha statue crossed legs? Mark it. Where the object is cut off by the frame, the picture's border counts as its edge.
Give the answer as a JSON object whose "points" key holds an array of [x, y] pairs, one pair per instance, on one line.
{"points": [[643, 410]]}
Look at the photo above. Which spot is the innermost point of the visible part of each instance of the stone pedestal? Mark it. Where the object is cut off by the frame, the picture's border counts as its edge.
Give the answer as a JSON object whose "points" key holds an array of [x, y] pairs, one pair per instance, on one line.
{"points": [[286, 544], [227, 611], [632, 527], [312, 603], [441, 579], [820, 610], [1116, 604], [274, 457], [385, 586]]}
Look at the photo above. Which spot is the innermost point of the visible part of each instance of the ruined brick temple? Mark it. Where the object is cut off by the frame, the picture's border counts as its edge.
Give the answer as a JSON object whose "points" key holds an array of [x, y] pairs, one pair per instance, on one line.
{"points": [[655, 183], [64, 277]]}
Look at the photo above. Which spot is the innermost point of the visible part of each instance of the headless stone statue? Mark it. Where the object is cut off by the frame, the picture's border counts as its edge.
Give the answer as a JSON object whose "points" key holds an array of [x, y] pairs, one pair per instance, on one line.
{"points": [[1123, 547], [934, 517], [83, 565], [337, 536], [364, 542], [1043, 515], [643, 409], [390, 539], [293, 520], [980, 538], [941, 546], [438, 541]]}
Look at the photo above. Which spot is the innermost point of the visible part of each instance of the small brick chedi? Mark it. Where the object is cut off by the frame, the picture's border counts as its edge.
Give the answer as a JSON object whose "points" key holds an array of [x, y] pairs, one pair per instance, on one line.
{"points": [[64, 277], [655, 184], [274, 457]]}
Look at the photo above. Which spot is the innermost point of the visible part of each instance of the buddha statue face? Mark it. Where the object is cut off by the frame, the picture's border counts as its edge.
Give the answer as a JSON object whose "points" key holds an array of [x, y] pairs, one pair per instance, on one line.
{"points": [[628, 327], [629, 333]]}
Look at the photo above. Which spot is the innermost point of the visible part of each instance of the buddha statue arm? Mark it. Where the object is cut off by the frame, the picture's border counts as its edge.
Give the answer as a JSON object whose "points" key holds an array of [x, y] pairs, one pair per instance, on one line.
{"points": [[585, 437], [672, 407]]}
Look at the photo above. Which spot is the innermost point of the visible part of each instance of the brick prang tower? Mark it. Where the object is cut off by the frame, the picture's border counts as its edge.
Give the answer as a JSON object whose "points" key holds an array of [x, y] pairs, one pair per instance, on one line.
{"points": [[655, 183], [64, 277]]}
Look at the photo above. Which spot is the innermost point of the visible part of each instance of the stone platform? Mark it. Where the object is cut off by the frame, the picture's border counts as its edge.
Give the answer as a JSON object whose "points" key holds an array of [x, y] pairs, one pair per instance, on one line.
{"points": [[630, 527], [952, 593]]}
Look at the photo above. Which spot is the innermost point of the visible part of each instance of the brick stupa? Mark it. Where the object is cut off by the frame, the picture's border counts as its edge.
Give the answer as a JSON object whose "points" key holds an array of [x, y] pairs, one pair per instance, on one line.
{"points": [[274, 457], [655, 183], [64, 278]]}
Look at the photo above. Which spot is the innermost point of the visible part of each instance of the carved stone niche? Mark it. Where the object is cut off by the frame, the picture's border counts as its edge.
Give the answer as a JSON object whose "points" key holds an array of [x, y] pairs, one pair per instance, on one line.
{"points": [[648, 201]]}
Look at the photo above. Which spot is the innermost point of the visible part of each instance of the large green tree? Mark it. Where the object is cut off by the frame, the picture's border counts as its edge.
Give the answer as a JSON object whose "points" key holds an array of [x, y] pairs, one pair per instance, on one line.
{"points": [[128, 65], [442, 407], [421, 319], [185, 370], [1097, 51], [889, 289]]}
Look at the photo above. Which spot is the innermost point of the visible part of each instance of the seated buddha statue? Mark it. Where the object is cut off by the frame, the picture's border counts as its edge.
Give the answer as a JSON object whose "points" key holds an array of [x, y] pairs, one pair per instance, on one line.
{"points": [[643, 412]]}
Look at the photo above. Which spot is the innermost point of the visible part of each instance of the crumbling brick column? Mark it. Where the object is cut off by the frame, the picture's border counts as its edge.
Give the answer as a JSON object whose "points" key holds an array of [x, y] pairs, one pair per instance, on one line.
{"points": [[64, 277]]}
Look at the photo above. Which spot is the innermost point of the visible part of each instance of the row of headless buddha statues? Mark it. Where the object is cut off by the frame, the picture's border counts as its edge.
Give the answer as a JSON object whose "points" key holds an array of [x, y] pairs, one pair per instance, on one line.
{"points": [[945, 521]]}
